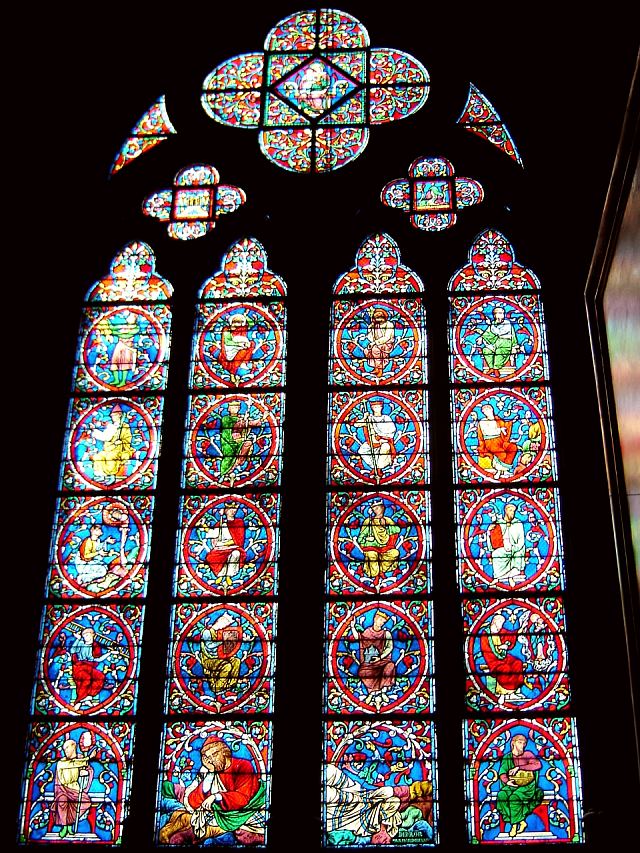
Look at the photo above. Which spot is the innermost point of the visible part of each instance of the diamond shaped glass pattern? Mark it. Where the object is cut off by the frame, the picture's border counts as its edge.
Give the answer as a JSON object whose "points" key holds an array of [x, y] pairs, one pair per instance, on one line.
{"points": [[315, 87]]}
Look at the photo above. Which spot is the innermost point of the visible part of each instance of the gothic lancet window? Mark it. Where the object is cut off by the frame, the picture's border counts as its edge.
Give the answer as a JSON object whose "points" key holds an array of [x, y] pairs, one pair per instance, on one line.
{"points": [[221, 662], [77, 778], [522, 767], [379, 772]]}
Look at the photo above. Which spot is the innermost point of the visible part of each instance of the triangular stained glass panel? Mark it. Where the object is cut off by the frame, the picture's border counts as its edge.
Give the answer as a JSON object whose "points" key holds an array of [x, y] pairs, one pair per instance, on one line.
{"points": [[498, 135], [281, 64], [279, 114], [352, 111]]}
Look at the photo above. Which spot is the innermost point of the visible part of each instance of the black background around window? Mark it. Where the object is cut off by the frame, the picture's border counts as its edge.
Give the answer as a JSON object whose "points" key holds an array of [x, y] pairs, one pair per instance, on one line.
{"points": [[81, 82]]}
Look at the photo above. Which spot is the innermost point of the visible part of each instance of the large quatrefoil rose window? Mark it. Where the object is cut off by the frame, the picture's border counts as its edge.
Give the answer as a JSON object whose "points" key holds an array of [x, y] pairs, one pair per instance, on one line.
{"points": [[315, 90]]}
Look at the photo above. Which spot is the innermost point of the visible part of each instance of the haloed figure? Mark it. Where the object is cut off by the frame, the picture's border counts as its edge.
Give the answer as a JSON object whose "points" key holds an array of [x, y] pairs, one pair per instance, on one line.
{"points": [[236, 442], [376, 669], [236, 349], [506, 540], [225, 796], [378, 540], [219, 648], [226, 538], [380, 334], [499, 344], [496, 451], [519, 794], [377, 451], [110, 462]]}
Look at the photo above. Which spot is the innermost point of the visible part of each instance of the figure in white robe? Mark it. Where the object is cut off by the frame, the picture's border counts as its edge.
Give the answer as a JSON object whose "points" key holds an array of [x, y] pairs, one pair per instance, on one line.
{"points": [[350, 806], [506, 540], [377, 451]]}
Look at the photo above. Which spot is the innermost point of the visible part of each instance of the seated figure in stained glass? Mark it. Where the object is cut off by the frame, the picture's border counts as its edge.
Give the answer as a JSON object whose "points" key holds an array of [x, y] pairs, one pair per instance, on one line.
{"points": [[117, 447], [235, 347], [503, 434], [519, 793], [381, 335], [222, 657], [516, 656], [224, 796], [73, 777], [378, 341], [218, 653], [499, 343], [377, 539], [89, 659], [239, 344], [523, 780], [378, 542], [506, 669], [123, 347], [112, 443], [379, 437], [227, 554], [234, 439], [377, 450], [498, 338], [379, 657], [509, 539], [496, 450], [506, 540], [100, 546], [229, 545]]}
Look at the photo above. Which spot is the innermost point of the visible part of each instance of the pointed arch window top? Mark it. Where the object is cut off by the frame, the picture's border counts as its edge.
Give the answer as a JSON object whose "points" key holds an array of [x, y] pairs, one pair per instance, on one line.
{"points": [[132, 278], [313, 92], [480, 117], [378, 269], [244, 272], [492, 266], [150, 130]]}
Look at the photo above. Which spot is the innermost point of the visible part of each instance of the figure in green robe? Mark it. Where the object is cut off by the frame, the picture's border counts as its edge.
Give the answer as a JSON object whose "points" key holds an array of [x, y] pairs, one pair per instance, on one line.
{"points": [[519, 793], [498, 343], [236, 442]]}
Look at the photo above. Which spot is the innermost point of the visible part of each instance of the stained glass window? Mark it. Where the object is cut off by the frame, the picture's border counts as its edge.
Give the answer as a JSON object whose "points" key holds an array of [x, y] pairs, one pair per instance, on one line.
{"points": [[195, 202], [523, 779], [480, 117], [221, 660], [315, 90], [234, 547], [78, 773], [379, 778], [432, 194], [522, 774], [150, 130]]}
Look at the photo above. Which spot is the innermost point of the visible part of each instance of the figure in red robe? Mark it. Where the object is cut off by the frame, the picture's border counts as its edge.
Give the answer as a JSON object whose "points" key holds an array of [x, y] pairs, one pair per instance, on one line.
{"points": [[226, 796], [235, 347], [227, 556], [85, 657], [376, 668], [505, 670], [496, 451]]}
